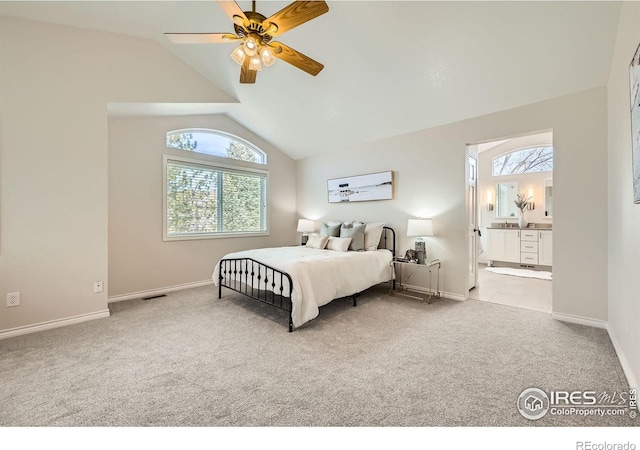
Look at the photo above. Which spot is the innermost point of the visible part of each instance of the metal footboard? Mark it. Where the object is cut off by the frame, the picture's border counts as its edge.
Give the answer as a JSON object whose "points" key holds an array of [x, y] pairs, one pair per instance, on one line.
{"points": [[267, 284], [258, 281]]}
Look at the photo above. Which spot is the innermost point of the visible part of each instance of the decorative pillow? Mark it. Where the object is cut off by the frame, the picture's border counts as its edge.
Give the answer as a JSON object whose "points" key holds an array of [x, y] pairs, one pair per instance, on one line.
{"points": [[338, 244], [372, 234], [317, 241], [330, 230], [356, 233]]}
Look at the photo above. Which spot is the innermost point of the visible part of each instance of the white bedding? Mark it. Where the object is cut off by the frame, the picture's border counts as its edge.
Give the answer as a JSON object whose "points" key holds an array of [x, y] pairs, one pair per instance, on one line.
{"points": [[320, 276]]}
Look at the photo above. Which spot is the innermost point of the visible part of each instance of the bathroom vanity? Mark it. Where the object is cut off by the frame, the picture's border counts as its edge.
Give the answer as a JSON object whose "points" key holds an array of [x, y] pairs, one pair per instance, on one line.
{"points": [[529, 247]]}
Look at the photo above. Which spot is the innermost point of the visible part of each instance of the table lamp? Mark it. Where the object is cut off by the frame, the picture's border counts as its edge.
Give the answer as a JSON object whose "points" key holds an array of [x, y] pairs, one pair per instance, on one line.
{"points": [[420, 228], [305, 226]]}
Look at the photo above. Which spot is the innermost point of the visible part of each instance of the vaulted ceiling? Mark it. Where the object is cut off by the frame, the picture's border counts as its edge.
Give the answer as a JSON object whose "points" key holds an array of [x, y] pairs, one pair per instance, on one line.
{"points": [[390, 67]]}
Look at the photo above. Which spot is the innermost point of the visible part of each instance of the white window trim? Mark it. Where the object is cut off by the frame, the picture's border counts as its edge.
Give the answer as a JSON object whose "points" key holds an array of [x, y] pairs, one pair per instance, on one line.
{"points": [[519, 149], [231, 137], [210, 161]]}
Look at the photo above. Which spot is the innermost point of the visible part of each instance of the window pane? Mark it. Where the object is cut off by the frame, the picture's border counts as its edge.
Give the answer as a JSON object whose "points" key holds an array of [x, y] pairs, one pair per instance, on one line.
{"points": [[203, 199], [216, 143], [242, 207], [192, 199], [537, 159]]}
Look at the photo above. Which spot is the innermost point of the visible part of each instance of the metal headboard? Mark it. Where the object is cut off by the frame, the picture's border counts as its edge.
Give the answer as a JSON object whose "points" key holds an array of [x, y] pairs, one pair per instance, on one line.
{"points": [[385, 237]]}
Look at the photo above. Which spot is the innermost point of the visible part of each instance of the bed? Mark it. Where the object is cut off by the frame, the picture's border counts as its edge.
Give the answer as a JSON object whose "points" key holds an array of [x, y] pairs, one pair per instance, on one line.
{"points": [[299, 280]]}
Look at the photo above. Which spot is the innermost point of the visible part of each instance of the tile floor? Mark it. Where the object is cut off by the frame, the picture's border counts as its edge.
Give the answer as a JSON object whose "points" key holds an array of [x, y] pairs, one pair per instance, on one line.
{"points": [[528, 293]]}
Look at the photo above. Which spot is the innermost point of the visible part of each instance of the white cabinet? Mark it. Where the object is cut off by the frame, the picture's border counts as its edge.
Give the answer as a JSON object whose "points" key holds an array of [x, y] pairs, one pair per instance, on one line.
{"points": [[504, 245], [529, 247], [512, 246], [545, 247]]}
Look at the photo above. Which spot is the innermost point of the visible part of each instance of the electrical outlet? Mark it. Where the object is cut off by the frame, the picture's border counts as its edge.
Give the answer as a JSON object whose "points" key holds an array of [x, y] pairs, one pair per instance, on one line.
{"points": [[13, 299], [97, 287]]}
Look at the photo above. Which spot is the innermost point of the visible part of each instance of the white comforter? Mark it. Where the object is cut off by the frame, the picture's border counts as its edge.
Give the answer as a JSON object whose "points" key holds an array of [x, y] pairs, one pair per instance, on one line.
{"points": [[320, 276]]}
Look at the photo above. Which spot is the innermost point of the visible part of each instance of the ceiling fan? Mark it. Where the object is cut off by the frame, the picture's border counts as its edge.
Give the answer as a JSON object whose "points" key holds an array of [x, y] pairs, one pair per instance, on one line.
{"points": [[255, 33]]}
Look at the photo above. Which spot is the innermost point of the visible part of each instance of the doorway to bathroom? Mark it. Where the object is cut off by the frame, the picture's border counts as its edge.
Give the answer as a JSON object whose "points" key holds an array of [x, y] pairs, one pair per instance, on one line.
{"points": [[514, 222]]}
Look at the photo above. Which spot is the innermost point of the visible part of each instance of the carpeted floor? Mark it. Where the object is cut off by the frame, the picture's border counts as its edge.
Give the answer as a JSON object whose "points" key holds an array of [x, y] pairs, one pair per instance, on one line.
{"points": [[189, 359]]}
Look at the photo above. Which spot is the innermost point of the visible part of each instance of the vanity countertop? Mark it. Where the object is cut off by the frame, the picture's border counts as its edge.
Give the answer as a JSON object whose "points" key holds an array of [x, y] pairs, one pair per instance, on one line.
{"points": [[514, 226]]}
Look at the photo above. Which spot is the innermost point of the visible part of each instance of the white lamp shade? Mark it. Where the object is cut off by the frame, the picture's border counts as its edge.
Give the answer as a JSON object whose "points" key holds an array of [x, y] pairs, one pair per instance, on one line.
{"points": [[238, 55], [420, 227], [306, 226], [267, 56]]}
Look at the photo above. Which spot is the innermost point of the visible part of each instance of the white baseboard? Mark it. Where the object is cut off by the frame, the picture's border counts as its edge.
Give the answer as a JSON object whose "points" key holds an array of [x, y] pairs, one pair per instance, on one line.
{"points": [[449, 295], [456, 297], [19, 331], [626, 367], [580, 320], [159, 291]]}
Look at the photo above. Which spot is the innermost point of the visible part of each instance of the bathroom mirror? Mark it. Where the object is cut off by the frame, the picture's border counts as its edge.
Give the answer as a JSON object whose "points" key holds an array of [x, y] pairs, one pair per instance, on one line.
{"points": [[506, 194], [548, 198]]}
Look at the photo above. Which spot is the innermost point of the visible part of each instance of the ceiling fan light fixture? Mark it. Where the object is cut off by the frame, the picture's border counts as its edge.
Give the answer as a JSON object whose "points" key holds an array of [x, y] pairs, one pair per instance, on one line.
{"points": [[254, 63], [238, 55], [250, 46], [267, 56]]}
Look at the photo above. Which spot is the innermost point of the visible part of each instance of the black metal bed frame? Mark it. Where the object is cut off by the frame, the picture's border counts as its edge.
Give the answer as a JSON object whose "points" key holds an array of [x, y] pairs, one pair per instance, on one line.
{"points": [[258, 281]]}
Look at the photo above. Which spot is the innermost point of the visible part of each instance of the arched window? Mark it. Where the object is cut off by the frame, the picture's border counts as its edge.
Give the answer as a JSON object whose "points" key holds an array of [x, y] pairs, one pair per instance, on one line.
{"points": [[204, 198], [216, 143], [526, 160]]}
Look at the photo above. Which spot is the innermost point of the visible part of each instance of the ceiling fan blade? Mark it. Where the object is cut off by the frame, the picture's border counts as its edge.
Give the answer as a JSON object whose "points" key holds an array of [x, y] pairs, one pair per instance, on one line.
{"points": [[247, 75], [201, 38], [293, 15], [234, 12], [296, 58]]}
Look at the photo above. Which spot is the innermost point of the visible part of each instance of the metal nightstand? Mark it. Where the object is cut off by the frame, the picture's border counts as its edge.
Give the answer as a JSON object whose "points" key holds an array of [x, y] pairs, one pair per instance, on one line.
{"points": [[430, 295]]}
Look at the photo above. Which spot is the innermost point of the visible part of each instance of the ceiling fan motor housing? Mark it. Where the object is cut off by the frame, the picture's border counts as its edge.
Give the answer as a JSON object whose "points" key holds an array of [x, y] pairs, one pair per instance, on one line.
{"points": [[254, 26]]}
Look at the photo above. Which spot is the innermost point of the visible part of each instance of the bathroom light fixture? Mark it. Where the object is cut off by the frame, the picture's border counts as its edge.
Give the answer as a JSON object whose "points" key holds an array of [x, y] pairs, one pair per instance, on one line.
{"points": [[305, 226], [530, 204], [420, 228], [489, 201]]}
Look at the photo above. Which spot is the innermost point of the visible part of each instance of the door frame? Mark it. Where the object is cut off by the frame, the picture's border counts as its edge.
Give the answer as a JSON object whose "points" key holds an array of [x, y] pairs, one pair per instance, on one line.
{"points": [[471, 208]]}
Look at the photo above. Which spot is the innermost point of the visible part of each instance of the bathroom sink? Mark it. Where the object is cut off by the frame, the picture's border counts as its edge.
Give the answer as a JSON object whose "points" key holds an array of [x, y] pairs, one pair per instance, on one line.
{"points": [[537, 226], [505, 225]]}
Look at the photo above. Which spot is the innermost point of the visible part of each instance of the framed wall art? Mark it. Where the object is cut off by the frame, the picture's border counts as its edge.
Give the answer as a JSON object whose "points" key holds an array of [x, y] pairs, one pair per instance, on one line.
{"points": [[361, 188], [634, 81]]}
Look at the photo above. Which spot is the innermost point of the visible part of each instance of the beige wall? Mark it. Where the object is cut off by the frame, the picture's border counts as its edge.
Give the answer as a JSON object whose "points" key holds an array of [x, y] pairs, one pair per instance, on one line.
{"points": [[139, 260], [429, 168], [428, 182], [55, 86], [624, 215]]}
